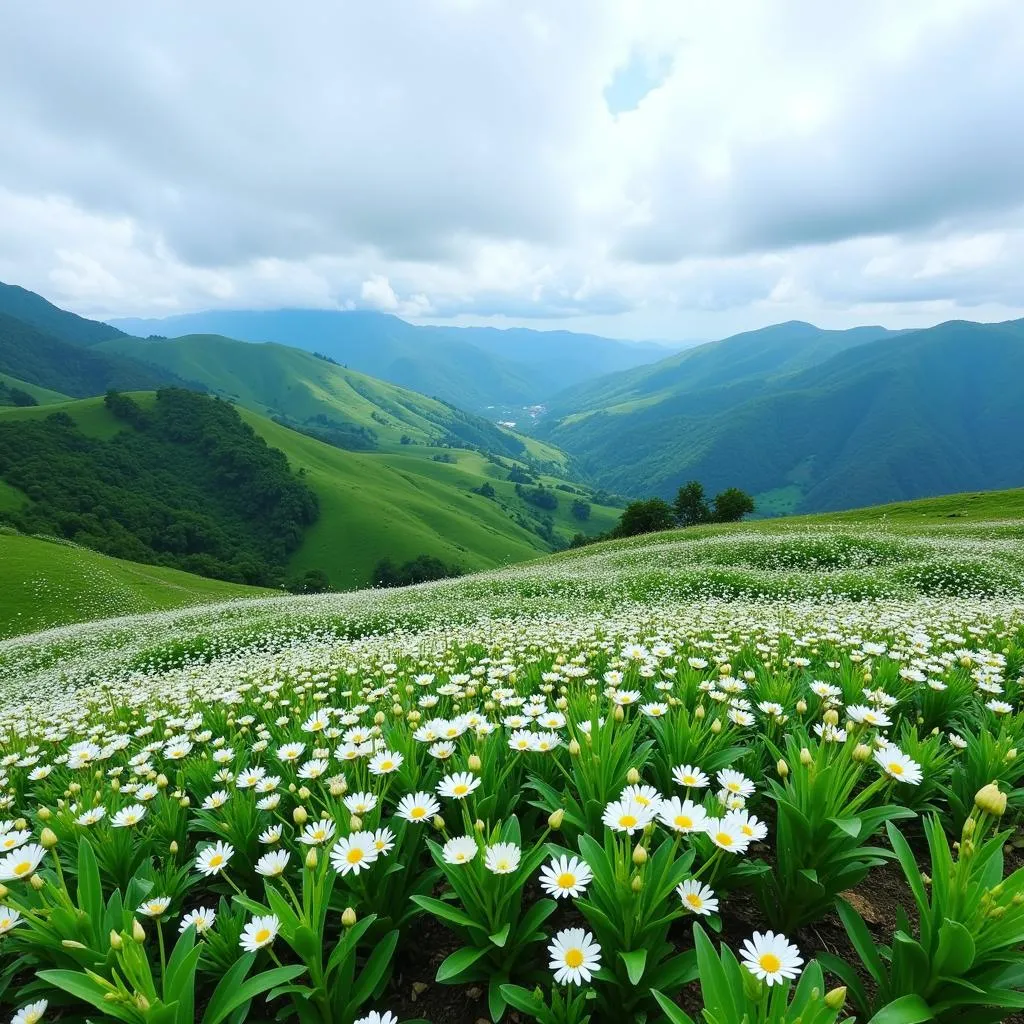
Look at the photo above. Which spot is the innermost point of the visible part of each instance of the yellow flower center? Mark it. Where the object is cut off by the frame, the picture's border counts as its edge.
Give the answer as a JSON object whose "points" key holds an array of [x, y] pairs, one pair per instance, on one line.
{"points": [[683, 821], [694, 900], [354, 856], [746, 830], [503, 865], [723, 839], [689, 780], [262, 935], [733, 787], [627, 821], [642, 800], [566, 880], [23, 868], [769, 962], [386, 766], [216, 860], [461, 789], [896, 768], [417, 812], [573, 958]]}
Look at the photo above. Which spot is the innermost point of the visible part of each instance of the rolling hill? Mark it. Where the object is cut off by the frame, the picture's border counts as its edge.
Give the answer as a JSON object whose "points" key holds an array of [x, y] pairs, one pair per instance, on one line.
{"points": [[476, 368], [814, 421]]}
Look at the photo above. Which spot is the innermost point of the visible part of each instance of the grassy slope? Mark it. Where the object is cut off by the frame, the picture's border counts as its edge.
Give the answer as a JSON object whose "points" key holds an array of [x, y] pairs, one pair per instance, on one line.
{"points": [[44, 396], [46, 583], [979, 506]]}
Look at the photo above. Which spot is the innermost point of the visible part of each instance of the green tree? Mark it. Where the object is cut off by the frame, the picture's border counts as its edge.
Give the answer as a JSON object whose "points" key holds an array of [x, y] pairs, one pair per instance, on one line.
{"points": [[732, 505], [648, 516], [691, 507]]}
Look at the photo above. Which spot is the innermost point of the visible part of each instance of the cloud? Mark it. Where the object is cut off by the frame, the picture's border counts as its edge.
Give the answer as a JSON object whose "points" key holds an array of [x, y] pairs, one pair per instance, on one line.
{"points": [[672, 168]]}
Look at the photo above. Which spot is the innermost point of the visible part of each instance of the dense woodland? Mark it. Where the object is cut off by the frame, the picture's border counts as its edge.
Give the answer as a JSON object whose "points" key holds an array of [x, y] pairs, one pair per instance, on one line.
{"points": [[187, 484]]}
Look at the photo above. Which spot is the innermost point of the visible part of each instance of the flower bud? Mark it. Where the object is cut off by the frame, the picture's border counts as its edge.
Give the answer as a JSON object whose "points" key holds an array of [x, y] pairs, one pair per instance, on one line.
{"points": [[801, 707], [3, 891], [782, 768], [438, 823], [47, 839], [116, 942], [618, 714], [45, 814], [474, 763], [805, 757], [73, 944], [20, 824], [639, 855], [141, 1002], [36, 882], [303, 793], [174, 846], [831, 717], [311, 858], [162, 781], [479, 826], [632, 777], [299, 815], [990, 800], [835, 999], [574, 748], [184, 801], [355, 823], [637, 884], [861, 752], [138, 932], [555, 819], [968, 829], [716, 726], [348, 917], [380, 718], [338, 788], [1011, 754], [699, 711]]}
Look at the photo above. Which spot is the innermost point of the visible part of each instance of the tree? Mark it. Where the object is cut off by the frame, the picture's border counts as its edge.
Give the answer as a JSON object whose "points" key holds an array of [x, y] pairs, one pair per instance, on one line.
{"points": [[645, 517], [691, 507], [581, 510], [313, 581], [732, 505]]}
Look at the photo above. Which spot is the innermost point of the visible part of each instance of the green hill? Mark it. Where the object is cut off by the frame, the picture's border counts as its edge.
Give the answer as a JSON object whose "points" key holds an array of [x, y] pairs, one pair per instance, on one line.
{"points": [[30, 308], [44, 396], [52, 583], [863, 421]]}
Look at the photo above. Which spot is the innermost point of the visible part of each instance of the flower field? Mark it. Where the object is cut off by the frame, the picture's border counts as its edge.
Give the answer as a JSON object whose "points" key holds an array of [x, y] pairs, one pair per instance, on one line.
{"points": [[751, 774]]}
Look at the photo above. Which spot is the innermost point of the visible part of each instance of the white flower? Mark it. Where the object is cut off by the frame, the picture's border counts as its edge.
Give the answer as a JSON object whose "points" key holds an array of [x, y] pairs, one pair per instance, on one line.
{"points": [[15, 838], [128, 816], [771, 958], [213, 859], [690, 776], [375, 1017], [646, 796], [384, 762], [748, 824], [627, 816], [354, 853], [154, 907], [271, 835], [565, 876], [502, 858], [92, 817], [682, 815], [215, 800], [726, 835], [460, 850], [316, 833], [735, 782], [31, 1014], [21, 863], [360, 803], [458, 786], [9, 918], [272, 864], [259, 932], [417, 807], [697, 898], [202, 918], [575, 956], [895, 763]]}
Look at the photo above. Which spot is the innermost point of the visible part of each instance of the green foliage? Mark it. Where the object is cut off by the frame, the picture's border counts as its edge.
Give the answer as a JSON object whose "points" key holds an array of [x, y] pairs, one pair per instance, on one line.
{"points": [[12, 395], [691, 507], [581, 510], [731, 506], [420, 569], [189, 485], [648, 516]]}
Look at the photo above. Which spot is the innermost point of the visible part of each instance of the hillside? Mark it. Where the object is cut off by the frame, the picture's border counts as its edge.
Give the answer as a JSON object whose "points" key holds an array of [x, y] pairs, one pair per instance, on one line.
{"points": [[52, 583], [43, 396], [476, 368], [897, 417], [315, 395], [398, 504], [33, 309]]}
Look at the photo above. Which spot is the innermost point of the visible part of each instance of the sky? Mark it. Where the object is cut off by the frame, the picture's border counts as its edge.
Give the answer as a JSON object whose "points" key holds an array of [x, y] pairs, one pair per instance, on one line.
{"points": [[662, 169]]}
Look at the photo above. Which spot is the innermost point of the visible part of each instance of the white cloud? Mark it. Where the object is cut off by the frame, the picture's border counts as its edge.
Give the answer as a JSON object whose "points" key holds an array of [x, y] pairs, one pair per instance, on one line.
{"points": [[458, 159]]}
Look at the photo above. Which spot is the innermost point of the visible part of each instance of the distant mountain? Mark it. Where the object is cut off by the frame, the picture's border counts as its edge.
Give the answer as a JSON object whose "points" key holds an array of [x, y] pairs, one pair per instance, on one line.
{"points": [[33, 309], [809, 420], [315, 395], [39, 358], [476, 368]]}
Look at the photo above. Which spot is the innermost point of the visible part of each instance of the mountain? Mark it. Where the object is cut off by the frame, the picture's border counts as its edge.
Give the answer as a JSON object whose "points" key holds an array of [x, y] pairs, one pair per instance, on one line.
{"points": [[476, 368], [809, 420], [315, 395], [39, 358], [33, 309]]}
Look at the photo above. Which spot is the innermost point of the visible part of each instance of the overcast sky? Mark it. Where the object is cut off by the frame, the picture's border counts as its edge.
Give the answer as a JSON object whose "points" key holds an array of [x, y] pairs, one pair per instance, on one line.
{"points": [[648, 169]]}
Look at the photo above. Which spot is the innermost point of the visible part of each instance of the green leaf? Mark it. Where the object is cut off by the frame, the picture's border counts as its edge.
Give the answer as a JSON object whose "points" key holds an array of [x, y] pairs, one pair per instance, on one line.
{"points": [[90, 890], [851, 826], [500, 937], [524, 1000], [81, 986], [671, 1011], [635, 961], [495, 1000], [905, 1010], [375, 971], [459, 962], [446, 912], [238, 995], [956, 952], [861, 938]]}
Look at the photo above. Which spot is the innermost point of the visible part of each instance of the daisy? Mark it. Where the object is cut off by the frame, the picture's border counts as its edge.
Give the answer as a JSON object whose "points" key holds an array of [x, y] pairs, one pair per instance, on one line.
{"points": [[627, 816], [316, 833], [15, 838], [213, 859], [417, 807], [215, 800], [272, 864], [735, 782], [646, 796], [354, 853], [290, 751], [697, 898], [31, 1014], [384, 762], [726, 835], [748, 824], [91, 817], [375, 1017], [565, 876], [460, 850], [360, 803], [21, 863], [154, 907], [9, 919], [575, 956], [682, 815], [895, 763], [458, 786], [771, 958], [689, 776], [259, 932], [384, 840], [502, 858], [202, 919], [128, 816], [271, 835]]}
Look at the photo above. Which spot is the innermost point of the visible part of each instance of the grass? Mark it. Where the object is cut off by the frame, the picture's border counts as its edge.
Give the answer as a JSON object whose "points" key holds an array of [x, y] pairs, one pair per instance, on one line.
{"points": [[44, 396], [974, 506], [51, 583]]}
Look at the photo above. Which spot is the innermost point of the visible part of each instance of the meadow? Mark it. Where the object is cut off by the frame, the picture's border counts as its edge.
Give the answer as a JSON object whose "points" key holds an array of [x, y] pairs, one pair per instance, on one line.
{"points": [[767, 772]]}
